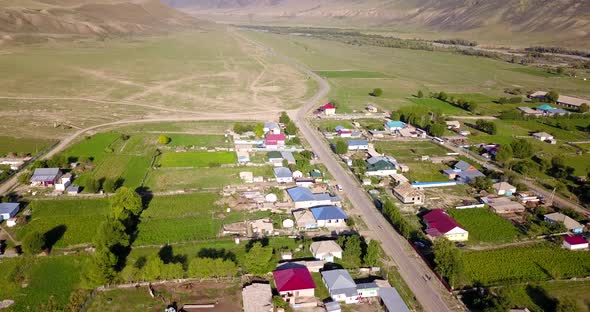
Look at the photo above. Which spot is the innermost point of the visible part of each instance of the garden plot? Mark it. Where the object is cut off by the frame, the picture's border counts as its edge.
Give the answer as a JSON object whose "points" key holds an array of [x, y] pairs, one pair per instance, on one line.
{"points": [[197, 159], [485, 226]]}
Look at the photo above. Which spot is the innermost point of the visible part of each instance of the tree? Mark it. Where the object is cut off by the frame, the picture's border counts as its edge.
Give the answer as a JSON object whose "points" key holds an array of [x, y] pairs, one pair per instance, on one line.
{"points": [[258, 259], [291, 128], [92, 185], [584, 108], [486, 126], [352, 255], [259, 130], [504, 153], [100, 269], [481, 183], [552, 96], [111, 233], [125, 203], [33, 243], [163, 140], [420, 94], [25, 177], [341, 147], [172, 271], [152, 269], [448, 260], [284, 119], [436, 129], [110, 185], [373, 255], [442, 96], [522, 148], [377, 92]]}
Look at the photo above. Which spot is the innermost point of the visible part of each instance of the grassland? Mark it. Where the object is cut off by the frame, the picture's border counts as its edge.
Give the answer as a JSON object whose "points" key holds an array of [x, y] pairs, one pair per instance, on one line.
{"points": [[350, 74], [211, 141], [94, 147], [544, 296], [66, 222], [197, 159], [485, 226], [22, 145]]}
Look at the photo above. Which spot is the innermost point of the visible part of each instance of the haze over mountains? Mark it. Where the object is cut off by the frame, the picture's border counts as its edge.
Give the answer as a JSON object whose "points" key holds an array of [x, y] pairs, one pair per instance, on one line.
{"points": [[568, 19]]}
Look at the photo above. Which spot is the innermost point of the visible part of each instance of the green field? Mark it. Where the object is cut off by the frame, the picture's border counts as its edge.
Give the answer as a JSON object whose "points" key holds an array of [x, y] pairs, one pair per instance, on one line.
{"points": [[202, 140], [543, 296], [68, 222], [340, 74], [438, 106], [485, 226], [93, 147], [197, 159], [405, 152], [22, 145], [540, 262]]}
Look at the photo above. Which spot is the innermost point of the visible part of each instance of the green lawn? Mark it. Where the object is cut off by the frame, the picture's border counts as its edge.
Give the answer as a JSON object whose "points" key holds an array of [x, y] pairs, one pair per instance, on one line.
{"points": [[68, 222], [426, 172], [131, 169], [197, 159], [543, 296], [404, 152], [131, 299], [22, 145], [439, 106], [202, 140], [520, 264], [93, 147], [485, 226], [340, 74]]}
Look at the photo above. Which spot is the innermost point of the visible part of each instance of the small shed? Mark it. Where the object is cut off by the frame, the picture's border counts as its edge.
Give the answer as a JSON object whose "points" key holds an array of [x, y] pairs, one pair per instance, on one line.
{"points": [[271, 198], [288, 224], [8, 210], [575, 242]]}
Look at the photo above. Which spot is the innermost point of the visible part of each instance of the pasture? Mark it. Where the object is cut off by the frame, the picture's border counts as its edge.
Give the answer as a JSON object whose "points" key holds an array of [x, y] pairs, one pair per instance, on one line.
{"points": [[544, 296], [202, 140], [538, 262], [485, 226], [355, 74], [197, 159], [22, 145]]}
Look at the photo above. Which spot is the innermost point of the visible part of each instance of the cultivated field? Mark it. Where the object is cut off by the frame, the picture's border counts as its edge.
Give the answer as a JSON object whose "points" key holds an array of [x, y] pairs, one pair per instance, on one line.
{"points": [[197, 159], [485, 226]]}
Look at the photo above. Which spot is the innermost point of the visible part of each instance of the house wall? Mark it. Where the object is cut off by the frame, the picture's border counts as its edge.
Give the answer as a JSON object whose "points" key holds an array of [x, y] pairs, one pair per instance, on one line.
{"points": [[329, 256], [285, 180], [331, 223], [575, 247], [380, 173], [368, 292], [458, 237], [358, 147], [330, 111], [312, 203]]}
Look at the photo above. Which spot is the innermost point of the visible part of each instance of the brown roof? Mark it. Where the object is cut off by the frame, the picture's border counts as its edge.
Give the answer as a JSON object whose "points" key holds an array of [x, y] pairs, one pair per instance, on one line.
{"points": [[407, 190]]}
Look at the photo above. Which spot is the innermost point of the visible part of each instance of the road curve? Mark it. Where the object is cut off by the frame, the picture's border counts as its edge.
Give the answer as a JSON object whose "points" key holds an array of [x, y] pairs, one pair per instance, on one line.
{"points": [[411, 267]]}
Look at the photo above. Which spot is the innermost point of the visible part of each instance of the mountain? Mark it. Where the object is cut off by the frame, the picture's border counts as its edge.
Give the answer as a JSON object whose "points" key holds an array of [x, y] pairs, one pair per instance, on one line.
{"points": [[568, 19], [85, 17]]}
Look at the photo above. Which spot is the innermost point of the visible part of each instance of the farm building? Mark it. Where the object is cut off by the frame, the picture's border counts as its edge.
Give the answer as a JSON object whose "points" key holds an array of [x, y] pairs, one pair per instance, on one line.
{"points": [[504, 188], [571, 224], [503, 205], [271, 127], [257, 298], [358, 145], [393, 126], [14, 163], [304, 198], [305, 182], [463, 172], [399, 179], [73, 190], [329, 216], [453, 124], [275, 158], [262, 227], [45, 176], [283, 175], [391, 300], [326, 250], [408, 194], [575, 242], [562, 100], [316, 175], [439, 223], [527, 197], [333, 306], [8, 210], [293, 283], [63, 182], [297, 174], [341, 286], [381, 166], [544, 137], [304, 219], [328, 109], [274, 141]]}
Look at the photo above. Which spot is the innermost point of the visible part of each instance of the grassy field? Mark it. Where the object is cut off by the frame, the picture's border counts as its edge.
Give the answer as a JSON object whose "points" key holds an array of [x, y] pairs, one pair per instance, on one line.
{"points": [[49, 276], [197, 159], [520, 264], [543, 296], [439, 106], [94, 147], [210, 141], [403, 152], [343, 74], [66, 222], [22, 145], [485, 226]]}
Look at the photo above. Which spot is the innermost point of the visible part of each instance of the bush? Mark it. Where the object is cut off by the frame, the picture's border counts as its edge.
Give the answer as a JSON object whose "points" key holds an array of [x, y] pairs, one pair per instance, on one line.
{"points": [[377, 92], [33, 243], [163, 140]]}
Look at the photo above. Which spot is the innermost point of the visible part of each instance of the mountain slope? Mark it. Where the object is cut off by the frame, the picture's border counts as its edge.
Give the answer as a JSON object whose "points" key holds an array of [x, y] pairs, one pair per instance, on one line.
{"points": [[570, 19], [84, 17]]}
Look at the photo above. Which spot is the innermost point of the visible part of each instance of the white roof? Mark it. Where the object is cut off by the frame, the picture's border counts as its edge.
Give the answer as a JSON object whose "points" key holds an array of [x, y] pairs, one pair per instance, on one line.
{"points": [[324, 247]]}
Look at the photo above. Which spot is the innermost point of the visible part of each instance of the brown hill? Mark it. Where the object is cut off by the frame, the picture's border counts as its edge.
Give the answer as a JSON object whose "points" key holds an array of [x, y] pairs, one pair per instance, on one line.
{"points": [[85, 17]]}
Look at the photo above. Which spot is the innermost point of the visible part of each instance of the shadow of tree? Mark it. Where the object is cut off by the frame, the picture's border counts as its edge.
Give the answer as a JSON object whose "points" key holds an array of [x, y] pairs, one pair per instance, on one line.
{"points": [[54, 235]]}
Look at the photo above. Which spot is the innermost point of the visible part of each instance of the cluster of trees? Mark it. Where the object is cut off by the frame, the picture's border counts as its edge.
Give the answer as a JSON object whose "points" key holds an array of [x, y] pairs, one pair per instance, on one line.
{"points": [[486, 126], [557, 50], [512, 100], [340, 147], [461, 103], [108, 185], [302, 162], [356, 252], [405, 228], [290, 127], [449, 261], [457, 41], [241, 128]]}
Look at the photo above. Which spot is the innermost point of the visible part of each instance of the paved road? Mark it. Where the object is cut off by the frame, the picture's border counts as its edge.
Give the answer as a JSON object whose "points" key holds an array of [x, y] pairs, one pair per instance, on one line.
{"points": [[431, 294]]}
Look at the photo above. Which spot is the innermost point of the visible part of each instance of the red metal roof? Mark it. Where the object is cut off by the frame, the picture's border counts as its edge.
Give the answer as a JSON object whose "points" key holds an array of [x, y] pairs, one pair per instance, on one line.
{"points": [[273, 139], [293, 279], [575, 240], [440, 221], [328, 106]]}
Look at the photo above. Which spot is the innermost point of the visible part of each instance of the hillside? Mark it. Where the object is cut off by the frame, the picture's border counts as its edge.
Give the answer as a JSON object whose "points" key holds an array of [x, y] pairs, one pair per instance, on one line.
{"points": [[570, 19], [47, 18]]}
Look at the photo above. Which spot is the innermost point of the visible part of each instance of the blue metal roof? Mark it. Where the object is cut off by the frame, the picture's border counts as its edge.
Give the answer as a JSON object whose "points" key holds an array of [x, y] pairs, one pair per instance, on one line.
{"points": [[283, 172], [299, 194], [545, 107], [395, 124], [392, 300], [328, 213], [9, 208], [418, 184], [358, 142]]}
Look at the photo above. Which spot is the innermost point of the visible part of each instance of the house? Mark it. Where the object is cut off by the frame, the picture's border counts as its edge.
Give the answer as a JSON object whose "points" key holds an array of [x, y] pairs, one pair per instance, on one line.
{"points": [[391, 300], [274, 141], [527, 197], [453, 124], [8, 210], [408, 194], [399, 179], [326, 250], [575, 242], [393, 126], [262, 227], [341, 286], [45, 176], [304, 219], [257, 297], [463, 172], [329, 216], [381, 166], [503, 205], [358, 145], [367, 290], [439, 223], [571, 224], [316, 175], [283, 175], [328, 109], [504, 188], [73, 190], [63, 182], [304, 198], [293, 283], [271, 127], [544, 137], [275, 158], [562, 100]]}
